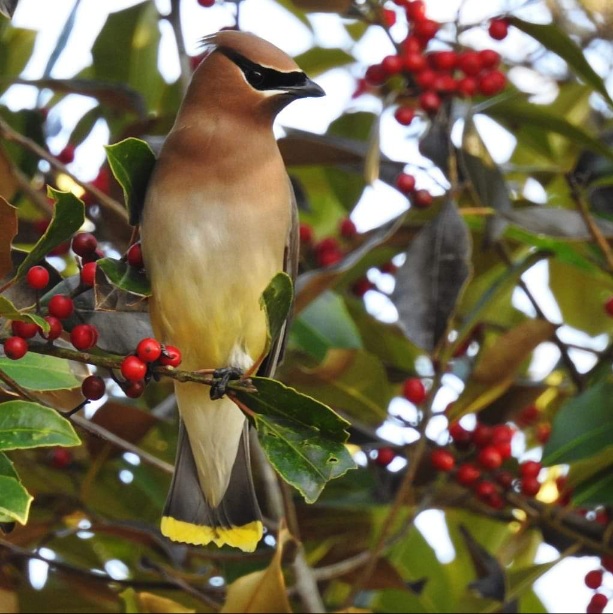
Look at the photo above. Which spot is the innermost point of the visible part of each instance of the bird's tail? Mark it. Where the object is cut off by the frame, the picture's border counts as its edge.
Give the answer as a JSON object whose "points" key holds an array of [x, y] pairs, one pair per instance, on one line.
{"points": [[189, 518]]}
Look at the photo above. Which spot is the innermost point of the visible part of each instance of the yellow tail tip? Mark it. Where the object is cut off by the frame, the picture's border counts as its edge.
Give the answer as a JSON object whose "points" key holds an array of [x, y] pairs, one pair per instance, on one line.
{"points": [[245, 537]]}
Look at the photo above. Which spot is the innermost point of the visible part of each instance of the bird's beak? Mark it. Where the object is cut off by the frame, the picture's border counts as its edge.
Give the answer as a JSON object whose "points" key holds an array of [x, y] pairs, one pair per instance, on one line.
{"points": [[309, 89]]}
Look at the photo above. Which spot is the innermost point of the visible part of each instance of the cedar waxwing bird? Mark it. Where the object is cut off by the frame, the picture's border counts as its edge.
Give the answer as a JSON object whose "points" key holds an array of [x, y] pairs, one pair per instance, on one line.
{"points": [[219, 222]]}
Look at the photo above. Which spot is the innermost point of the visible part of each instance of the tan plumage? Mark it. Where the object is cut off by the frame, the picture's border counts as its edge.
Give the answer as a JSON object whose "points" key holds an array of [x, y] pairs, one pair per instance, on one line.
{"points": [[218, 224]]}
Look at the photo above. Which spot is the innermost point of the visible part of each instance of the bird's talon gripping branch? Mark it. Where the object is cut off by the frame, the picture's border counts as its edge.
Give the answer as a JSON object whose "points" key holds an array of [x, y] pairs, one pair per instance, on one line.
{"points": [[221, 379]]}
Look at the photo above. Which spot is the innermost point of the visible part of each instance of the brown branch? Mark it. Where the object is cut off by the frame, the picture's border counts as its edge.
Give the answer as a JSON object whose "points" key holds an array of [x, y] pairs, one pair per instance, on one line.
{"points": [[105, 200], [584, 210]]}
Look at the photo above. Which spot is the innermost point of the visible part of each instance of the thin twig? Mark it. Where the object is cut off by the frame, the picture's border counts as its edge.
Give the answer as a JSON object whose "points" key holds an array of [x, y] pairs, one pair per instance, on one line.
{"points": [[104, 199], [584, 210]]}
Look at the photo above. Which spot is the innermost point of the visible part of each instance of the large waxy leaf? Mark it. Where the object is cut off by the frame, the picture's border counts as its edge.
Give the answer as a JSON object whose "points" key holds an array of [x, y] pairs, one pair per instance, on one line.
{"points": [[276, 300], [8, 229], [558, 41], [39, 372], [429, 282], [557, 222], [125, 277], [582, 427], [132, 162], [302, 438], [68, 217], [498, 365], [24, 424], [15, 500]]}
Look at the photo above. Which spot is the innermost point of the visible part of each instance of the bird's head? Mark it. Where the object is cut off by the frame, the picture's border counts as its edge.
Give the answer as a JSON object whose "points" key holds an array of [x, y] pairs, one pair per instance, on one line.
{"points": [[244, 73]]}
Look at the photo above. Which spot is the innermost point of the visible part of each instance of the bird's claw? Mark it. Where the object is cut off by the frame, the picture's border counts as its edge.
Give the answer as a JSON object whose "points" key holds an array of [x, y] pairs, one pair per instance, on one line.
{"points": [[221, 378]]}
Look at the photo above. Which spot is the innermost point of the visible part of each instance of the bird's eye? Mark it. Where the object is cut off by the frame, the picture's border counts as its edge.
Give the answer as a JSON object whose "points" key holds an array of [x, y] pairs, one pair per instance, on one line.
{"points": [[255, 77]]}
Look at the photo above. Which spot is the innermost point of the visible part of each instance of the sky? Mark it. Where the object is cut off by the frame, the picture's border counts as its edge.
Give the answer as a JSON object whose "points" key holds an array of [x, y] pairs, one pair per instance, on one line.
{"points": [[562, 588]]}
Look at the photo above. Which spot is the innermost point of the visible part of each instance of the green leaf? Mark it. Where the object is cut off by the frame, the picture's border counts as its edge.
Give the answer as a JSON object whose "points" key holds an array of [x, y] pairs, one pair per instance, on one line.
{"points": [[16, 46], [40, 372], [303, 438], [323, 325], [10, 312], [132, 162], [24, 424], [6, 467], [512, 112], [317, 60], [276, 300], [556, 40], [68, 217], [124, 276], [15, 500], [597, 490], [582, 427]]}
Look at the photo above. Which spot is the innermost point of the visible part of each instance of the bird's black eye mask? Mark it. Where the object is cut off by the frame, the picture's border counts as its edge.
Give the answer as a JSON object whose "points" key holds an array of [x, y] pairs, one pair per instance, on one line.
{"points": [[262, 78]]}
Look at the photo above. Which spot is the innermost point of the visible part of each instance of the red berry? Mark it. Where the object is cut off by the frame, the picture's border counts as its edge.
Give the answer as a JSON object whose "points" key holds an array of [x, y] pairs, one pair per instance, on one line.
{"points": [[25, 330], [375, 75], [171, 356], [15, 348], [489, 58], [528, 415], [84, 244], [149, 350], [83, 336], [607, 562], [430, 101], [66, 156], [445, 83], [425, 29], [37, 277], [489, 457], [505, 479], [361, 287], [492, 83], [501, 433], [88, 274], [55, 329], [134, 389], [93, 387], [422, 199], [530, 469], [443, 60], [411, 44], [388, 267], [543, 432], [405, 183], [467, 87], [388, 17], [498, 29], [416, 10], [133, 368], [61, 458], [414, 61], [482, 435], [392, 64], [608, 307], [530, 486], [135, 256], [414, 390], [468, 474], [470, 63], [442, 460], [593, 579], [384, 456], [504, 449], [206, 3], [485, 489], [461, 437], [306, 234], [404, 115], [597, 603], [425, 79], [60, 306], [348, 229], [329, 258]]}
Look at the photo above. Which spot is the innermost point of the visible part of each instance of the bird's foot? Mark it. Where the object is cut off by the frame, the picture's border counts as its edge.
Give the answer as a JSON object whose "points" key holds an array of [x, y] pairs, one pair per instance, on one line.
{"points": [[221, 378]]}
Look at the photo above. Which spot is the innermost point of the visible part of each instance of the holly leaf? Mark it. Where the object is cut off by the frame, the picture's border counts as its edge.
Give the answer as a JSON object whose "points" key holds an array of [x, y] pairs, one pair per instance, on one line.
{"points": [[124, 276], [302, 438], [68, 217], [132, 162], [40, 372], [276, 300], [24, 424]]}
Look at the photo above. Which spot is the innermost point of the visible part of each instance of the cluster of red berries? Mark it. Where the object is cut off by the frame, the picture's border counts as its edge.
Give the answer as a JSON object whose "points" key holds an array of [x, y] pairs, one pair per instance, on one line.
{"points": [[482, 453], [405, 183], [531, 418], [594, 580], [430, 77], [413, 390], [332, 249]]}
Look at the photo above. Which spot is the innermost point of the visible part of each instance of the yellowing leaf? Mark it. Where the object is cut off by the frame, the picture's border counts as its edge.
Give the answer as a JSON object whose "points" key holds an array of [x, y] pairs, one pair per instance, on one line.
{"points": [[150, 603], [261, 591], [498, 364]]}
